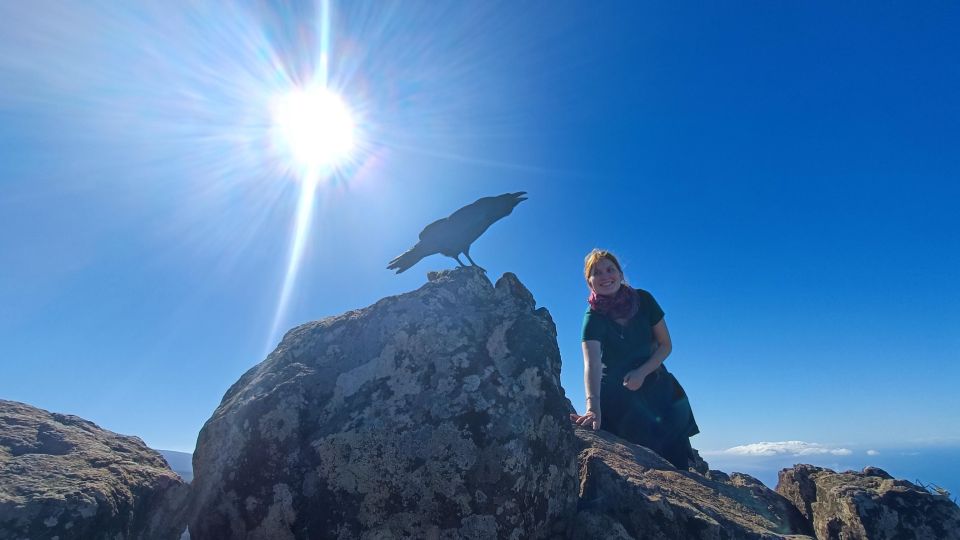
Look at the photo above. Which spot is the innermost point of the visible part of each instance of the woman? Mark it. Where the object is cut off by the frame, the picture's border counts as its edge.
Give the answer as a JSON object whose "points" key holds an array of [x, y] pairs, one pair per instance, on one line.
{"points": [[634, 397]]}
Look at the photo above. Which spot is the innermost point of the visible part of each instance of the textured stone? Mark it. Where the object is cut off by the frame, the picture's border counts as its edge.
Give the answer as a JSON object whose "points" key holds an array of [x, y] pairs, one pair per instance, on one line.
{"points": [[433, 414], [64, 477], [439, 414], [869, 504], [628, 491]]}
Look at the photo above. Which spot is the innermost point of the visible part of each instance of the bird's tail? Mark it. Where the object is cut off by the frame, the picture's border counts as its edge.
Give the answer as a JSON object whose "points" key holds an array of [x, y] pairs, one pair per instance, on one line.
{"points": [[409, 258]]}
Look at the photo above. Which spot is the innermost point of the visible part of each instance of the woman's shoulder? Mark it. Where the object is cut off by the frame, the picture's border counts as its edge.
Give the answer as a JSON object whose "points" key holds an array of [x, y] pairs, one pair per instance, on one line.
{"points": [[594, 325], [643, 293], [645, 296], [649, 306]]}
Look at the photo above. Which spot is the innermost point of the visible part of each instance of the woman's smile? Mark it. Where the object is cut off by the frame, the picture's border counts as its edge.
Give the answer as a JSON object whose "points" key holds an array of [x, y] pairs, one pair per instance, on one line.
{"points": [[606, 278]]}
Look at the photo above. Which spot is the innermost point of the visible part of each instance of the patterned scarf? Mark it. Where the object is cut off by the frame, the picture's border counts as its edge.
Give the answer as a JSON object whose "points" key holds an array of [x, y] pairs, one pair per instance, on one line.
{"points": [[622, 305]]}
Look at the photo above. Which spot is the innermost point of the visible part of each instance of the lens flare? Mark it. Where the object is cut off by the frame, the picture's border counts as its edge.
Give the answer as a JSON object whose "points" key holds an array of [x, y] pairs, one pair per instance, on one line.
{"points": [[314, 126]]}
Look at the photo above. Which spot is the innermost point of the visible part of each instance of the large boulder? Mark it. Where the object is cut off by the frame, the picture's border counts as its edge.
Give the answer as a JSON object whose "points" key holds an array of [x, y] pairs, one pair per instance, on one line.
{"points": [[433, 414], [64, 477], [869, 504], [629, 492]]}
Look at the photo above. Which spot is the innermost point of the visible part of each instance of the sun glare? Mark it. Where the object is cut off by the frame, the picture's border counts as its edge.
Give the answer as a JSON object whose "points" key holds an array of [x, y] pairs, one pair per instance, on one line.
{"points": [[315, 127]]}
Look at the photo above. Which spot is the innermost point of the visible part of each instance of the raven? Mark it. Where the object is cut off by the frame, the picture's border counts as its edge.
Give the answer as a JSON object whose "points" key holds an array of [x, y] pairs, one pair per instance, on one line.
{"points": [[453, 235]]}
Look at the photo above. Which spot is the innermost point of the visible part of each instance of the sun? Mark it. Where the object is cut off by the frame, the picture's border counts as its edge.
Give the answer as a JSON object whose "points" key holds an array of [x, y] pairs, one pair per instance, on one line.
{"points": [[315, 128]]}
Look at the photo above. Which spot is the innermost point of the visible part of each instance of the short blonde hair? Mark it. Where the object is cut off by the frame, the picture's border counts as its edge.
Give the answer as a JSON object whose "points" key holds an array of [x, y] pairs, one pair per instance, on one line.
{"points": [[594, 257]]}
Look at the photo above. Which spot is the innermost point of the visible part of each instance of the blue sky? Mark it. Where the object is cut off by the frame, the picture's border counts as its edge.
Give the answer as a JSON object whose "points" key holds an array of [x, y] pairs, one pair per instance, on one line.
{"points": [[782, 177]]}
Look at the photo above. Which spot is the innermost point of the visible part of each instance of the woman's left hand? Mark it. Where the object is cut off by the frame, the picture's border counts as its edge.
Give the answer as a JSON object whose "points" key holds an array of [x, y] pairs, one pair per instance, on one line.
{"points": [[633, 380]]}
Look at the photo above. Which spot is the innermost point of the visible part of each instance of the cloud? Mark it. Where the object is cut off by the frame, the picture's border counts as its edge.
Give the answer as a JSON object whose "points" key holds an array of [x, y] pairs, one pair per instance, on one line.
{"points": [[783, 448], [873, 453]]}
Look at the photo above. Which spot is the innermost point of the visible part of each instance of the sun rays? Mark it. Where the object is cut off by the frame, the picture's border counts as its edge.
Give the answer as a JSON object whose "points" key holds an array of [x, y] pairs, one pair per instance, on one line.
{"points": [[239, 126], [316, 132]]}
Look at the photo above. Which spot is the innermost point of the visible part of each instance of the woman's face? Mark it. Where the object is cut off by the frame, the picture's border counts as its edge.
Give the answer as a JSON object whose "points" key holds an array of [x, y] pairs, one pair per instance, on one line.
{"points": [[605, 278]]}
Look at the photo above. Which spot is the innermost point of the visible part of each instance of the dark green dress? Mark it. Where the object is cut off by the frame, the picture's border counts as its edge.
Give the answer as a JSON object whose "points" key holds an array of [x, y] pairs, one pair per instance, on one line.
{"points": [[658, 414]]}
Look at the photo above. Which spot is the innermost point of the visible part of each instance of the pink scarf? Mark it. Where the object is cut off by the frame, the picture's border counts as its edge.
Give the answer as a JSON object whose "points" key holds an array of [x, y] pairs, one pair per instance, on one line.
{"points": [[622, 305]]}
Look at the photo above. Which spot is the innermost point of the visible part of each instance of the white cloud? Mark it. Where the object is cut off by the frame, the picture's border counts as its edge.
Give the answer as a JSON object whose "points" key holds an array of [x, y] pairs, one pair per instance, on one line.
{"points": [[783, 448], [873, 453]]}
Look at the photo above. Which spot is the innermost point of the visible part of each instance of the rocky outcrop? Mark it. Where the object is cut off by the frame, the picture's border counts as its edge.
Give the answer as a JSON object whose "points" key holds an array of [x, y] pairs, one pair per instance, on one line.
{"points": [[433, 414], [64, 477], [869, 504], [629, 492], [439, 414]]}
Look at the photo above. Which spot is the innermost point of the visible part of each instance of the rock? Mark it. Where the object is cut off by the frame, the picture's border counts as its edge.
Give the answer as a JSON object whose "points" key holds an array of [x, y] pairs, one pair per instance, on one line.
{"points": [[698, 464], [64, 477], [869, 504], [439, 414], [628, 491], [432, 414]]}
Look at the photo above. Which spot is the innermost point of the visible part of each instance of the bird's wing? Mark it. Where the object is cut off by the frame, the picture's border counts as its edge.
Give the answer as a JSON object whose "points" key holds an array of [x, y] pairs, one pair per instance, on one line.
{"points": [[432, 229], [454, 234], [474, 218], [431, 241]]}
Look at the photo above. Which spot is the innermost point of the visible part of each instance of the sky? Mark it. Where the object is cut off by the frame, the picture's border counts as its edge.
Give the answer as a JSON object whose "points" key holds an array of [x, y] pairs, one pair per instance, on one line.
{"points": [[782, 177]]}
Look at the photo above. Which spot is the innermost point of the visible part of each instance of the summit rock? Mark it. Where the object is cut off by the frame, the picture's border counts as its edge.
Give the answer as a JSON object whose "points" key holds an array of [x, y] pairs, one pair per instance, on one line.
{"points": [[433, 414]]}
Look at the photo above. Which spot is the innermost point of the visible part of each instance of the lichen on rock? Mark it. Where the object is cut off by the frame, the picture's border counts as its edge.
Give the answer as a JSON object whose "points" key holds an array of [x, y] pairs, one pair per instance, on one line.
{"points": [[439, 414], [868, 505], [435, 413], [65, 477], [628, 491]]}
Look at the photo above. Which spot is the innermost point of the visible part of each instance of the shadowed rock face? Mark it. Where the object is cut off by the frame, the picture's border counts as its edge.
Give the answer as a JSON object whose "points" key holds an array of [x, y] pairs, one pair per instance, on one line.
{"points": [[433, 414], [62, 476], [628, 491], [869, 504]]}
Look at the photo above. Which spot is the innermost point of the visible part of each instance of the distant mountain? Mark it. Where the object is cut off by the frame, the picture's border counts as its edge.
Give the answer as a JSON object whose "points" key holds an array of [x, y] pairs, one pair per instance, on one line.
{"points": [[180, 462]]}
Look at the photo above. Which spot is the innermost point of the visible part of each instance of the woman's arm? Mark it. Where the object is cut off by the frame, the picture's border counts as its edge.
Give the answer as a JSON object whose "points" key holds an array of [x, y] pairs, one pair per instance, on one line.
{"points": [[592, 371], [634, 379]]}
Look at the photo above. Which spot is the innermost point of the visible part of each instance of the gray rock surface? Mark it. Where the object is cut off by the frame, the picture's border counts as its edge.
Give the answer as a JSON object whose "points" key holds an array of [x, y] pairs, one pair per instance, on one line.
{"points": [[64, 477], [629, 492], [869, 504], [439, 414], [433, 414]]}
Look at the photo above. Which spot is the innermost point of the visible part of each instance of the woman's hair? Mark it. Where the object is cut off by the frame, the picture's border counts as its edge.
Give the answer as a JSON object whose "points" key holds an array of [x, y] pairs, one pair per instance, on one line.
{"points": [[594, 257]]}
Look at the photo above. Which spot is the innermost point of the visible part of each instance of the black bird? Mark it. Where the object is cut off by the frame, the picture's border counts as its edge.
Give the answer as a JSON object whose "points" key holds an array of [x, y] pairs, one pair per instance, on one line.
{"points": [[453, 235]]}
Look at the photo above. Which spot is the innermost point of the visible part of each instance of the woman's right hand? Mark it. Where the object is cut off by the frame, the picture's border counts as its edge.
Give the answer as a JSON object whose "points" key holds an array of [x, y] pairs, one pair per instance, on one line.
{"points": [[589, 420], [592, 370]]}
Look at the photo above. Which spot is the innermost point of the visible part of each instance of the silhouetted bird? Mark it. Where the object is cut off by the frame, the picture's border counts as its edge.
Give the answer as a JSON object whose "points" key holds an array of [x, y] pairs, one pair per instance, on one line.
{"points": [[453, 235]]}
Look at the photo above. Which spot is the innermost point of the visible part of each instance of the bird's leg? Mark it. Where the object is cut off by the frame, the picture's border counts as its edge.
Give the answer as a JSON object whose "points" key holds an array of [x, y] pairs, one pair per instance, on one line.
{"points": [[467, 253], [457, 257]]}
